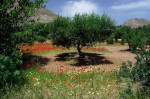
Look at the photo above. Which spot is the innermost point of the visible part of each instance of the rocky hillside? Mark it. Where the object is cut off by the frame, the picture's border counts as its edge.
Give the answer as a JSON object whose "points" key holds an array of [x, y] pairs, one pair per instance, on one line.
{"points": [[136, 22], [44, 14]]}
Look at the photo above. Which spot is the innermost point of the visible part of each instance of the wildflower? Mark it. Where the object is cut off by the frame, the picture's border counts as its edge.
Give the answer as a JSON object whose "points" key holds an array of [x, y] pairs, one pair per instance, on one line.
{"points": [[32, 85], [98, 80], [69, 85], [104, 70], [56, 80], [61, 66], [114, 75], [98, 69]]}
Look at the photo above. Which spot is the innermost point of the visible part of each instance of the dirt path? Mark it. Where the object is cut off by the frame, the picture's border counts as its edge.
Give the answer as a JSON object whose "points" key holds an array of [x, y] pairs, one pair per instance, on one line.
{"points": [[107, 61]]}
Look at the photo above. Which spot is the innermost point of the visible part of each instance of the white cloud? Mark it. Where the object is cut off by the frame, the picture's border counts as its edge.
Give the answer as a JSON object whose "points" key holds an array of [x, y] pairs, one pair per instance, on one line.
{"points": [[83, 6], [133, 5]]}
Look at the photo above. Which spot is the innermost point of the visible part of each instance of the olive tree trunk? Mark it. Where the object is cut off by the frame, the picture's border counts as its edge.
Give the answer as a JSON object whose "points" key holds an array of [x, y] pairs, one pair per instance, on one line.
{"points": [[81, 56]]}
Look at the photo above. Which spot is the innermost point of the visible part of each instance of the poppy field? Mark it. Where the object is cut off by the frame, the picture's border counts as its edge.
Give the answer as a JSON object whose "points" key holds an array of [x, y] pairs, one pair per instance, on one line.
{"points": [[47, 47], [62, 82], [66, 83]]}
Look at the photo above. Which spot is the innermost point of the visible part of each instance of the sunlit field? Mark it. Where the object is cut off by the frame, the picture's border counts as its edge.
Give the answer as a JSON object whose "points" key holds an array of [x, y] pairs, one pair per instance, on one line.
{"points": [[64, 82], [47, 47]]}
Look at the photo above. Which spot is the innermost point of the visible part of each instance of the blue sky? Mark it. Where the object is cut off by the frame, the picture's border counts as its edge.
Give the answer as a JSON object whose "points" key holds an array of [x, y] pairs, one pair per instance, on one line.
{"points": [[119, 10]]}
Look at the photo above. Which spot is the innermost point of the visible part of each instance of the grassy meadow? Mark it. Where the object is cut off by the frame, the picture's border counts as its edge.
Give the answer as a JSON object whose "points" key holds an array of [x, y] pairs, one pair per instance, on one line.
{"points": [[67, 83]]}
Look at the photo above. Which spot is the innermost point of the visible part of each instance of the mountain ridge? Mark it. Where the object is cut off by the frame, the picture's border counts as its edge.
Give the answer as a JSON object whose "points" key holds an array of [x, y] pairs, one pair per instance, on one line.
{"points": [[136, 22], [44, 14]]}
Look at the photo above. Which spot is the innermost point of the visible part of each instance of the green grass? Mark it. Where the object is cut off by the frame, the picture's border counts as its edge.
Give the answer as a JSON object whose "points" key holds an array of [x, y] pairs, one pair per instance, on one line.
{"points": [[66, 83], [89, 83], [103, 44], [72, 49]]}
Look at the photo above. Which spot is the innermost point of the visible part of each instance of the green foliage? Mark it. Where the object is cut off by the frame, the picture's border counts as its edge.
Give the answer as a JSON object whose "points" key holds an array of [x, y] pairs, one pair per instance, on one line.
{"points": [[110, 39], [120, 32], [61, 31], [127, 93], [134, 39], [13, 32], [122, 40], [40, 38], [81, 30], [146, 29], [140, 71], [10, 67]]}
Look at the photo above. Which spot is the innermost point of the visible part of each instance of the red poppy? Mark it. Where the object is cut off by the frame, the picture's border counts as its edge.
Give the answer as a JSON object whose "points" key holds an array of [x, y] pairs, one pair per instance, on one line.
{"points": [[98, 80], [84, 80], [69, 85], [98, 69]]}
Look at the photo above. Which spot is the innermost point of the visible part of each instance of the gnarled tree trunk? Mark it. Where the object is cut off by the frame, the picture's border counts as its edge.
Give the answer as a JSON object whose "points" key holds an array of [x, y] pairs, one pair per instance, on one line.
{"points": [[81, 56]]}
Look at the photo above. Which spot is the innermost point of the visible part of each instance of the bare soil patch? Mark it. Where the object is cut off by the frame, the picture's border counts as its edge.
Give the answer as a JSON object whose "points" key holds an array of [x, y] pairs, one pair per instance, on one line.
{"points": [[105, 61]]}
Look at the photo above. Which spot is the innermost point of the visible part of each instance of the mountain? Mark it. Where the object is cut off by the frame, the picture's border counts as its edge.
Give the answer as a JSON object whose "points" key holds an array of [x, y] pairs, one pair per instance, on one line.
{"points": [[136, 22], [44, 14]]}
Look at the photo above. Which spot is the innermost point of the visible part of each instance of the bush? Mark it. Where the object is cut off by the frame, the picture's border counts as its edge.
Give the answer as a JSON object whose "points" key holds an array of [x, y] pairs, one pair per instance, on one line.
{"points": [[136, 38], [140, 71], [10, 68], [13, 32], [122, 40], [127, 93], [110, 39], [40, 38]]}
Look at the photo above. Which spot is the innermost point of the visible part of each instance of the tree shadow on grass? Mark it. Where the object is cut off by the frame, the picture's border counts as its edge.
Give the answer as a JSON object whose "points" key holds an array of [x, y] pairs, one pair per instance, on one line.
{"points": [[90, 59], [34, 60]]}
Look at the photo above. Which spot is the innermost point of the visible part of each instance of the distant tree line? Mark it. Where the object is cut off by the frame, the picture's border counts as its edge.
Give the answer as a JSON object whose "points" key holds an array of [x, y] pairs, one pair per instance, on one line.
{"points": [[135, 37]]}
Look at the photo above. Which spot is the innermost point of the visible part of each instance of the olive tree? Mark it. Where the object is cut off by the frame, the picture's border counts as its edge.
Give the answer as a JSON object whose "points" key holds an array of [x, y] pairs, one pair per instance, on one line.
{"points": [[136, 38], [81, 30]]}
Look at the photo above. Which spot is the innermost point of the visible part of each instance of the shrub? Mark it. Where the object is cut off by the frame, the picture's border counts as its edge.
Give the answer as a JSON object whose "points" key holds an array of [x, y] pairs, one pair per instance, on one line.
{"points": [[10, 67], [110, 39], [136, 38], [127, 93], [13, 18], [141, 69], [40, 38]]}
